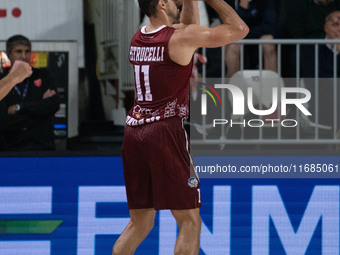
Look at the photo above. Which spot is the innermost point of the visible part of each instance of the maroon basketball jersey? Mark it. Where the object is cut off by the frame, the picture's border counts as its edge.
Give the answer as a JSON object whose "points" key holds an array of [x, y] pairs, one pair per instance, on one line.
{"points": [[162, 86]]}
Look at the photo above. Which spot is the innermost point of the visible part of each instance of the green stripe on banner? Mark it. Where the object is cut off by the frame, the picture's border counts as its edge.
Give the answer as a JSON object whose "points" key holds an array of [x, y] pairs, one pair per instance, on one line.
{"points": [[28, 226]]}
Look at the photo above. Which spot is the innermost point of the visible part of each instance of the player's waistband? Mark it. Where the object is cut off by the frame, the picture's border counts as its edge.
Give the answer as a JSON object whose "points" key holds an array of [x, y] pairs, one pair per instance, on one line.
{"points": [[131, 121]]}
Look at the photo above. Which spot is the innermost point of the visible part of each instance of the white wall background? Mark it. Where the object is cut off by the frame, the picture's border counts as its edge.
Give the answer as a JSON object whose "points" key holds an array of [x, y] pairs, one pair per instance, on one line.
{"points": [[58, 20]]}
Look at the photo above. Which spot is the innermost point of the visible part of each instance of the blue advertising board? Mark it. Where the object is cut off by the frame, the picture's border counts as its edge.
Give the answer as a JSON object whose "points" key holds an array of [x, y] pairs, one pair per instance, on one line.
{"points": [[77, 206]]}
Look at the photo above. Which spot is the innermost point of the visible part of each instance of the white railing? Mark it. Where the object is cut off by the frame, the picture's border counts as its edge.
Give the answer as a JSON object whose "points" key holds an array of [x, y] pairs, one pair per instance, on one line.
{"points": [[120, 20]]}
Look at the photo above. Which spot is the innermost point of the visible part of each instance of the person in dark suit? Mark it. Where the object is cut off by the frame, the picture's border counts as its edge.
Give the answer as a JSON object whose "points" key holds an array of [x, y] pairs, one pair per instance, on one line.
{"points": [[27, 111]]}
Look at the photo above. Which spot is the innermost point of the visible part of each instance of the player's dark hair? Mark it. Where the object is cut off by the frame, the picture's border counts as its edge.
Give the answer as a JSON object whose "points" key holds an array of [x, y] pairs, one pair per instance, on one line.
{"points": [[17, 40], [148, 7]]}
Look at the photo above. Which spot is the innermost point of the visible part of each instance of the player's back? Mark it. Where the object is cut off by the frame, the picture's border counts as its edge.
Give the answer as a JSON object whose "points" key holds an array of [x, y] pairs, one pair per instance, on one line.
{"points": [[162, 86]]}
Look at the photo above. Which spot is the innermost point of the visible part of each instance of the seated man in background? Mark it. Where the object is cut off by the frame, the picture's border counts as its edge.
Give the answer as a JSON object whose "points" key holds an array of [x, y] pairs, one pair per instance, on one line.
{"points": [[261, 18], [27, 112], [332, 30], [326, 69], [307, 17]]}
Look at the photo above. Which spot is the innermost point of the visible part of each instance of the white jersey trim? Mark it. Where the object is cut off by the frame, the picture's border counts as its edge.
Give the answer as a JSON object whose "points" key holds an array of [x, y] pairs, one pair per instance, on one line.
{"points": [[143, 30]]}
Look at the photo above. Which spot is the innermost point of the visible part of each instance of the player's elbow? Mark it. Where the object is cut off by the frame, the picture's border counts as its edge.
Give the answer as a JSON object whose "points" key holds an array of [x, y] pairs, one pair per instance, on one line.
{"points": [[244, 31], [235, 33], [240, 33]]}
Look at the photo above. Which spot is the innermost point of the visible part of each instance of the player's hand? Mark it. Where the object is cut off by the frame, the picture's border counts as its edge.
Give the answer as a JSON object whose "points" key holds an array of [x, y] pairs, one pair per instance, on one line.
{"points": [[48, 93], [20, 70]]}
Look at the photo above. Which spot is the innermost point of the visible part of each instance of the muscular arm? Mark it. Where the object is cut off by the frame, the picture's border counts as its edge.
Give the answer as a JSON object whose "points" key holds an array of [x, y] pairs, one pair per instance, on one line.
{"points": [[187, 39], [189, 14], [19, 71]]}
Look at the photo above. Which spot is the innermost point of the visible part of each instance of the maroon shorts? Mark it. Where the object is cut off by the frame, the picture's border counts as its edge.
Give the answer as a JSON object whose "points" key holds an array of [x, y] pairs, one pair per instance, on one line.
{"points": [[158, 169]]}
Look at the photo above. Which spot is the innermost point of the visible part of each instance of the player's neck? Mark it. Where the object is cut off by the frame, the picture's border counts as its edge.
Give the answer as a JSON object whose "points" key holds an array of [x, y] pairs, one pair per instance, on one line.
{"points": [[156, 22]]}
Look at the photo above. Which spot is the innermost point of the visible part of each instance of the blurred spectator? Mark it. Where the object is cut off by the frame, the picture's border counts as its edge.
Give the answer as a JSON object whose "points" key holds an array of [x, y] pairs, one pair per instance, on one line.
{"points": [[326, 54], [332, 27], [325, 71], [304, 19], [307, 17], [27, 112], [261, 17]]}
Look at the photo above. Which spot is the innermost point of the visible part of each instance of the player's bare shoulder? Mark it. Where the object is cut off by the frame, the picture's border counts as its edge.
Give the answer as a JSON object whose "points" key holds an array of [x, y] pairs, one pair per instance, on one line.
{"points": [[181, 47], [178, 37], [184, 29], [185, 34]]}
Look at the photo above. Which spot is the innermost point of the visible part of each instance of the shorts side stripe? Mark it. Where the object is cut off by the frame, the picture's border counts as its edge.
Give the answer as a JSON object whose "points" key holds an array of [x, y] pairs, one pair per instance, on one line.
{"points": [[187, 148]]}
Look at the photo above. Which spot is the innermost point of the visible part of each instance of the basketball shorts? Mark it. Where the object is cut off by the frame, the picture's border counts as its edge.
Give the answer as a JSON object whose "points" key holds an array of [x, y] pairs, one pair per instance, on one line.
{"points": [[158, 169]]}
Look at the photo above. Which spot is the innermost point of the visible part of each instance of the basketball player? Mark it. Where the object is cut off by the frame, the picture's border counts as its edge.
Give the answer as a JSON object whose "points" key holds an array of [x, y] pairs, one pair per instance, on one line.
{"points": [[19, 72], [158, 169]]}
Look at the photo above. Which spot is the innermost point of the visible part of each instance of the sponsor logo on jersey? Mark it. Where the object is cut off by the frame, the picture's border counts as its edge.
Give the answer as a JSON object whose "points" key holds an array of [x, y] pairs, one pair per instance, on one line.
{"points": [[192, 182]]}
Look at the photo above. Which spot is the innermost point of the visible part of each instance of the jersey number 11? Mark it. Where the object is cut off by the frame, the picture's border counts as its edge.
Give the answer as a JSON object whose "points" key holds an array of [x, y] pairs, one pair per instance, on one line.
{"points": [[145, 70]]}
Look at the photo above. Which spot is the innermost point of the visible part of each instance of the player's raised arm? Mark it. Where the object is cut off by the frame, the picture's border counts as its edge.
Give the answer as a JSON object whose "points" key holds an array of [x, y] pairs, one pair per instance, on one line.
{"points": [[189, 13], [187, 39]]}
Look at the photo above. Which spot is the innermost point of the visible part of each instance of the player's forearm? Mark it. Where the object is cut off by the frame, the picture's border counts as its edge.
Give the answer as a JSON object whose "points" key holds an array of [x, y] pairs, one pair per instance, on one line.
{"points": [[6, 85], [228, 15], [190, 14]]}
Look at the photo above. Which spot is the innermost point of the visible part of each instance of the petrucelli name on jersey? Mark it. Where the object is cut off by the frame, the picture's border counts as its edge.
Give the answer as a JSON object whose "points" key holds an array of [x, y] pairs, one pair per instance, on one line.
{"points": [[155, 54]]}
